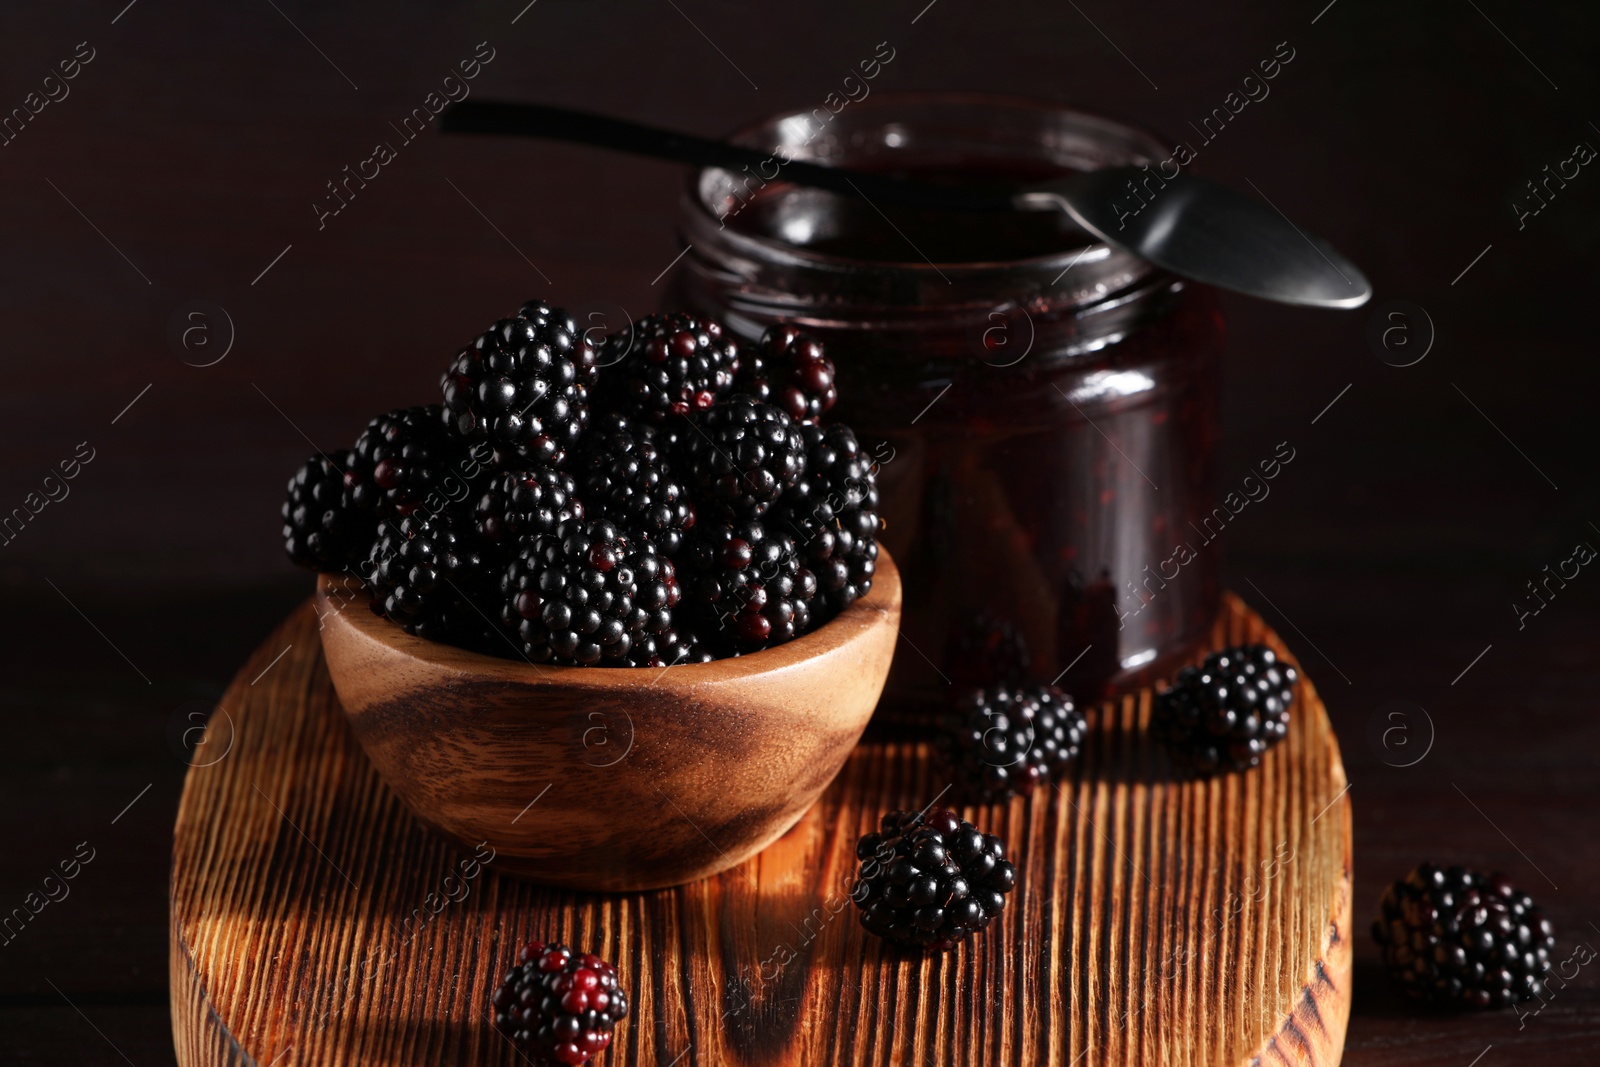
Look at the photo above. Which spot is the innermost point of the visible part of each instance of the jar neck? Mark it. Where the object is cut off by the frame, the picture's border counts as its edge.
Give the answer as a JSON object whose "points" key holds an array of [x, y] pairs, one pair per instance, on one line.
{"points": [[993, 314], [762, 250]]}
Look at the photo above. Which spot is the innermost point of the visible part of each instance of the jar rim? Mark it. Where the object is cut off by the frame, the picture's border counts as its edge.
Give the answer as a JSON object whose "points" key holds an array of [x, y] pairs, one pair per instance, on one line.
{"points": [[1100, 268]]}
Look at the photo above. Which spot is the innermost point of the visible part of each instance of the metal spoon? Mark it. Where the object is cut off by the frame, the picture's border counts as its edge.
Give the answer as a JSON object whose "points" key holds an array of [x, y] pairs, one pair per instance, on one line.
{"points": [[1192, 227]]}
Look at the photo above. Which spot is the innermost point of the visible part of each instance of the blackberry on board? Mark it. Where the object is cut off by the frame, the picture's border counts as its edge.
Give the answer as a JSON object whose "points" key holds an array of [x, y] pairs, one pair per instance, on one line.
{"points": [[404, 460], [745, 588], [1457, 937], [581, 596], [742, 456], [430, 573], [322, 530], [1007, 740], [930, 880], [1225, 713], [558, 1005], [523, 386], [625, 477], [832, 514], [666, 366], [790, 370], [525, 503]]}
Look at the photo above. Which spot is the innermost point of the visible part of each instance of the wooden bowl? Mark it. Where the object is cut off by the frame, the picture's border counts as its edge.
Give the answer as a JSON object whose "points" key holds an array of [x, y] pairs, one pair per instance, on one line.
{"points": [[609, 778]]}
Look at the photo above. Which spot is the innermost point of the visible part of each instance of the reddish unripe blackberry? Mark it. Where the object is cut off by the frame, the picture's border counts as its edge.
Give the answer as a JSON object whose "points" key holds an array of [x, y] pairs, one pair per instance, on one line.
{"points": [[322, 530], [746, 589], [623, 476], [559, 1006], [832, 514], [667, 366], [930, 880], [789, 370], [1007, 740], [743, 457], [523, 386], [525, 503], [1457, 937], [404, 460], [581, 596], [431, 574], [1226, 713]]}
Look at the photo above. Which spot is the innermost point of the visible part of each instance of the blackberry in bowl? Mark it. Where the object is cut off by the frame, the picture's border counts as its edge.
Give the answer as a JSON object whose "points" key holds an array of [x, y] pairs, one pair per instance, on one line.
{"points": [[523, 386], [668, 366], [567, 564], [744, 456]]}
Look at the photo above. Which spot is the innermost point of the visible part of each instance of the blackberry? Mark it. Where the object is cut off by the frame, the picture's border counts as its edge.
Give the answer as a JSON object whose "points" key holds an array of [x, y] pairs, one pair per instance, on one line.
{"points": [[429, 575], [1224, 714], [523, 386], [322, 530], [581, 596], [668, 365], [525, 503], [1455, 936], [559, 1006], [623, 476], [1005, 741], [746, 588], [930, 880], [671, 648], [789, 370], [832, 514], [744, 455], [407, 460]]}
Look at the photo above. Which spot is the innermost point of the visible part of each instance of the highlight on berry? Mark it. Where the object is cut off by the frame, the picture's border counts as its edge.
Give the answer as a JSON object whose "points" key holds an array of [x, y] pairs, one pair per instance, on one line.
{"points": [[1455, 937], [660, 496], [1226, 713], [930, 880], [559, 1006]]}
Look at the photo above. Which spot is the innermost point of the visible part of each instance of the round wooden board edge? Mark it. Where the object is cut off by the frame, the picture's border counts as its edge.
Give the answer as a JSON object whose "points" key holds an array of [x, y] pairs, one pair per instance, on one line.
{"points": [[1313, 1034], [209, 1043]]}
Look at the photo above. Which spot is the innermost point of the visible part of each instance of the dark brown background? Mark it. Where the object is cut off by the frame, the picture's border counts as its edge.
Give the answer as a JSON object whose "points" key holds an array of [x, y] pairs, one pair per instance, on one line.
{"points": [[200, 135]]}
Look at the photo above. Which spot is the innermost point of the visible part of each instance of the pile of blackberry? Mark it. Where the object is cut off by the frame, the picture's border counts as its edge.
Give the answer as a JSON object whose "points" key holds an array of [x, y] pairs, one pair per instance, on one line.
{"points": [[930, 880], [1224, 714], [559, 1006], [646, 499], [1453, 936]]}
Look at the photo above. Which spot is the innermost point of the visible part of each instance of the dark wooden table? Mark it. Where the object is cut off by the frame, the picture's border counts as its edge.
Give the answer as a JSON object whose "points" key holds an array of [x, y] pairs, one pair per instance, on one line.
{"points": [[183, 161]]}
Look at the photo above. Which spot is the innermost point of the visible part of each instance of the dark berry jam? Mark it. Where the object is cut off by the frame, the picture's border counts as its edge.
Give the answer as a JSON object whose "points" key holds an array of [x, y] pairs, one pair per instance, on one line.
{"points": [[1043, 408], [853, 228]]}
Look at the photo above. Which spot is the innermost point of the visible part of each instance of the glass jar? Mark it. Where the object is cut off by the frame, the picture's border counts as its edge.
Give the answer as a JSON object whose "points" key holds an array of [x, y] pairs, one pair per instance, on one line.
{"points": [[1043, 407]]}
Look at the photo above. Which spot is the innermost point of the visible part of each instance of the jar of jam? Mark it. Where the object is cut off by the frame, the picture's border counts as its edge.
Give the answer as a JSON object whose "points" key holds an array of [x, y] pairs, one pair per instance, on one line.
{"points": [[1043, 407]]}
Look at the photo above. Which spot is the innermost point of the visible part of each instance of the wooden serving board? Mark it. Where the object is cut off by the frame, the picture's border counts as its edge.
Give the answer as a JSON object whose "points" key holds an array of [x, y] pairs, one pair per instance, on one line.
{"points": [[1156, 921]]}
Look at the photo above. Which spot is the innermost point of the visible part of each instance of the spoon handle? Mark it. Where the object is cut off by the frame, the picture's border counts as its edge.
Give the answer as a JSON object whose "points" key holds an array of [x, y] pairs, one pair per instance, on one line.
{"points": [[761, 166]]}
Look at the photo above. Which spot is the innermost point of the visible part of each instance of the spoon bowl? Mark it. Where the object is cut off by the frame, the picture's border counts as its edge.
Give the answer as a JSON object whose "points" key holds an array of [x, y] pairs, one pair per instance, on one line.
{"points": [[1206, 231]]}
